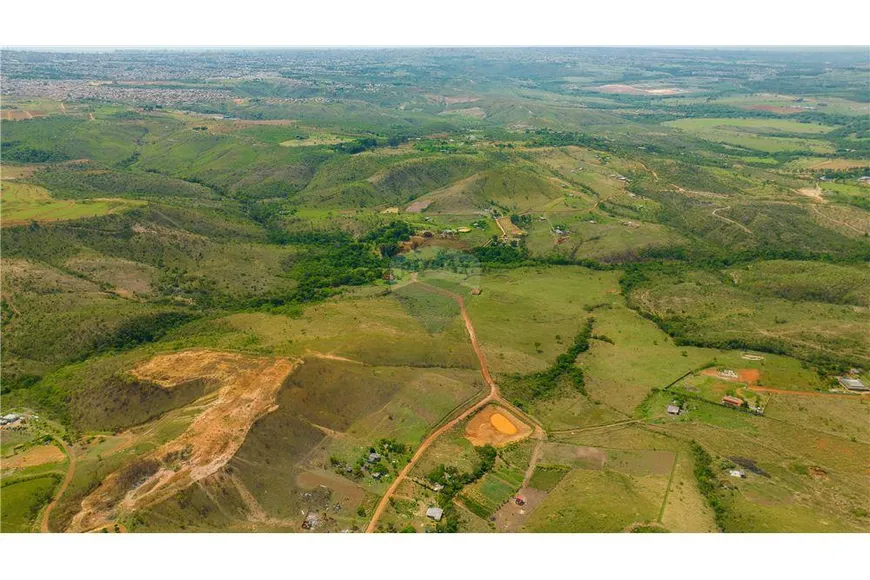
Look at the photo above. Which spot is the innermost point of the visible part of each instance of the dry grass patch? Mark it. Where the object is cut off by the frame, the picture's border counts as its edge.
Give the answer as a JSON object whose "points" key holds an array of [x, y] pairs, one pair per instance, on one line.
{"points": [[41, 455]]}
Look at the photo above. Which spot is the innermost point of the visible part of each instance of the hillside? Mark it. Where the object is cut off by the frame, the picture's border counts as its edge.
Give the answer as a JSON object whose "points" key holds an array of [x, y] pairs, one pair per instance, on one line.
{"points": [[327, 291]]}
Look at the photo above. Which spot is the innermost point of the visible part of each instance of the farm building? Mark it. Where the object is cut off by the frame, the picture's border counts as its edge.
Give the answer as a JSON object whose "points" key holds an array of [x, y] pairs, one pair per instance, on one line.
{"points": [[435, 513], [475, 292], [853, 384], [737, 473], [732, 401], [673, 409], [9, 419], [374, 457]]}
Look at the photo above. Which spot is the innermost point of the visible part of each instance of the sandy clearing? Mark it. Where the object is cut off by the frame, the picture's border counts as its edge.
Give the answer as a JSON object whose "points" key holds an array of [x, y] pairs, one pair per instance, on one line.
{"points": [[330, 356], [633, 90], [495, 426], [418, 206], [39, 455], [814, 193], [248, 388]]}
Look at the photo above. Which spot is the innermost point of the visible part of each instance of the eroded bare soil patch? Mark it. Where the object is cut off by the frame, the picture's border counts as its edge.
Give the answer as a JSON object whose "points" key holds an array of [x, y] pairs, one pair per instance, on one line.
{"points": [[248, 387]]}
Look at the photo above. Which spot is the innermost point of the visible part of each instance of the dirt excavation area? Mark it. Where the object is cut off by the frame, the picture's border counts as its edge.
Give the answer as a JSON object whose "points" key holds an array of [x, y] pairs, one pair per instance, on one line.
{"points": [[496, 426], [247, 390]]}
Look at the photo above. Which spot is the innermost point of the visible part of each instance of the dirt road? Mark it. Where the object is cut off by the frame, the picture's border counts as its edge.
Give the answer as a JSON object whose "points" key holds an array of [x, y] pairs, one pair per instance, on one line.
{"points": [[533, 461], [576, 430], [70, 472], [729, 220], [838, 222], [800, 393], [493, 396]]}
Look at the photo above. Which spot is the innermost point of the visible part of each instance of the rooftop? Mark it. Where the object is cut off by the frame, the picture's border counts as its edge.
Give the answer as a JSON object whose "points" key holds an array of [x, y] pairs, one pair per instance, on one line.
{"points": [[853, 384]]}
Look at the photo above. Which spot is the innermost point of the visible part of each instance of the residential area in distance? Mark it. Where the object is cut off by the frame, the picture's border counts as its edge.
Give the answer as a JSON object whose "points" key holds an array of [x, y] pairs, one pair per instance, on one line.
{"points": [[435, 290]]}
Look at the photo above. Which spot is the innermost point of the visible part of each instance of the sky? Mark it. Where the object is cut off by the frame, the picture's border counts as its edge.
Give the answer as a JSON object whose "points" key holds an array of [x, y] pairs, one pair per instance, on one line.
{"points": [[174, 23]]}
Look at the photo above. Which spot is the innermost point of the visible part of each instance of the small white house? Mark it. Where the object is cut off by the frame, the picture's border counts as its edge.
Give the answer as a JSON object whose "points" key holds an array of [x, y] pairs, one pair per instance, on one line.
{"points": [[737, 473], [435, 513]]}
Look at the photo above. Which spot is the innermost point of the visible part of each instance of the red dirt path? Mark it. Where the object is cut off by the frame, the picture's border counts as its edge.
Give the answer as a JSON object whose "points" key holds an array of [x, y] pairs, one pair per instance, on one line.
{"points": [[493, 395]]}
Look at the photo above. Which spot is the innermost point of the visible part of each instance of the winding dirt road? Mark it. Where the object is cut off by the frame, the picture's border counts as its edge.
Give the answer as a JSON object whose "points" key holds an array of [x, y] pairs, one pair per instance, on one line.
{"points": [[70, 472], [729, 220], [493, 396]]}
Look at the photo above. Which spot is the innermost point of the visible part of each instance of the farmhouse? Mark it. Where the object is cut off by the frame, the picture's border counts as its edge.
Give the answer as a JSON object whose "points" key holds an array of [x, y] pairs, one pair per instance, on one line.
{"points": [[737, 473], [732, 401], [673, 409], [853, 384], [435, 513], [374, 457]]}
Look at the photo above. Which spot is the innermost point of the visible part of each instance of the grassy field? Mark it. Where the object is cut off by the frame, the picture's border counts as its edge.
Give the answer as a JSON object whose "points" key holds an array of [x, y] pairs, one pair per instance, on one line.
{"points": [[329, 410], [23, 204], [22, 501], [261, 214], [547, 478], [524, 317], [760, 134], [597, 501], [752, 314]]}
